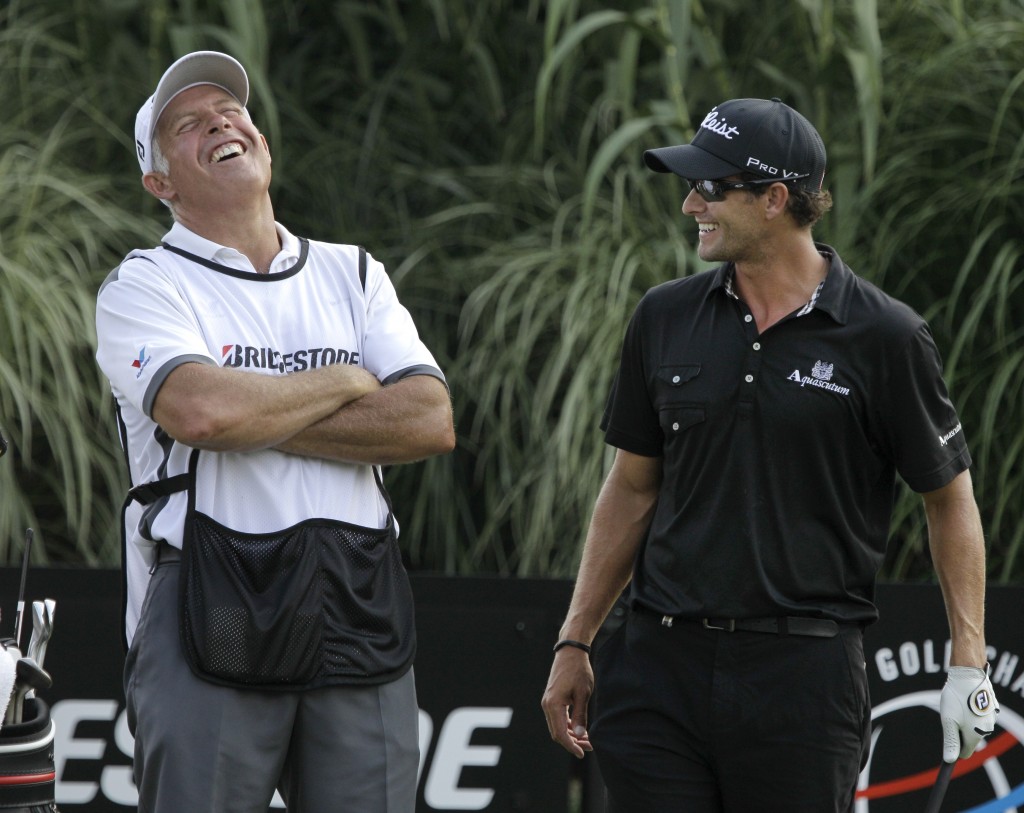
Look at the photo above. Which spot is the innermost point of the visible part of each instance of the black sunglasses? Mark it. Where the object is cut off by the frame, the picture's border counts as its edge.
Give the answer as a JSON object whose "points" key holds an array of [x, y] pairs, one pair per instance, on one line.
{"points": [[713, 191]]}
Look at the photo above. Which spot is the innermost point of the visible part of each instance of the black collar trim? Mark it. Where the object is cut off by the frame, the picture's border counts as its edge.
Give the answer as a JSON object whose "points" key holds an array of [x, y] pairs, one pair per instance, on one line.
{"points": [[234, 272]]}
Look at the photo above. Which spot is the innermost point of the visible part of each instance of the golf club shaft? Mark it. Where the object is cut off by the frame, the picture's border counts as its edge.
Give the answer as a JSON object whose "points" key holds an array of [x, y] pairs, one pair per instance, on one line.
{"points": [[939, 788], [21, 590]]}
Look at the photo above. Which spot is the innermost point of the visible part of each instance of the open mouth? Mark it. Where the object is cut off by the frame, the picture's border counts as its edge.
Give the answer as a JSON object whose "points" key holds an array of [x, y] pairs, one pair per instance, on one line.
{"points": [[706, 228], [227, 152]]}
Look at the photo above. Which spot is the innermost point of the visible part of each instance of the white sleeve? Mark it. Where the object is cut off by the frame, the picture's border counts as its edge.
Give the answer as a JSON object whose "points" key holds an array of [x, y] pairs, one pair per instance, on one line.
{"points": [[391, 346], [144, 329]]}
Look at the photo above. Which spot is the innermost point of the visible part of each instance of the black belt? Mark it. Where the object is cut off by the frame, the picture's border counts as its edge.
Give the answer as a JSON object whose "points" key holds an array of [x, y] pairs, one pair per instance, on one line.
{"points": [[777, 625], [165, 552]]}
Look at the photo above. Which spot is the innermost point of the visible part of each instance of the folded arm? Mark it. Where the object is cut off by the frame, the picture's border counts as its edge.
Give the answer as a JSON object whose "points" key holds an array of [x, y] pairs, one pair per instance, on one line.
{"points": [[399, 423], [222, 409], [340, 412]]}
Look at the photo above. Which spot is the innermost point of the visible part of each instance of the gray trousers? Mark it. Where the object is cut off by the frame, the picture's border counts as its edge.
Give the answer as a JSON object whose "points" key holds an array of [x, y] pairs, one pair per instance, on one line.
{"points": [[206, 748]]}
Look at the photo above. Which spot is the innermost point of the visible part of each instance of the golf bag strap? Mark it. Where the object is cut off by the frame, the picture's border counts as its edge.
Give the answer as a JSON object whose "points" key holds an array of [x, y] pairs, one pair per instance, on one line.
{"points": [[383, 492], [148, 493]]}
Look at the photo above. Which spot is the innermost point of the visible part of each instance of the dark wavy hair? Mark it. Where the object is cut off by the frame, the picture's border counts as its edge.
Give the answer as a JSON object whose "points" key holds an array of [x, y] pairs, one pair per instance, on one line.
{"points": [[807, 206]]}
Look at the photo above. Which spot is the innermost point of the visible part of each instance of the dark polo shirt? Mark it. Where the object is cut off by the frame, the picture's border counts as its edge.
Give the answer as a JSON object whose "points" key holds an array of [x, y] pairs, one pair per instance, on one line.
{"points": [[780, 449]]}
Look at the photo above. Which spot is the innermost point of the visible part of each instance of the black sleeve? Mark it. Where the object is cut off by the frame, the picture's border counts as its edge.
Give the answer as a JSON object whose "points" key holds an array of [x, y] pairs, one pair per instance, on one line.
{"points": [[918, 423], [630, 421]]}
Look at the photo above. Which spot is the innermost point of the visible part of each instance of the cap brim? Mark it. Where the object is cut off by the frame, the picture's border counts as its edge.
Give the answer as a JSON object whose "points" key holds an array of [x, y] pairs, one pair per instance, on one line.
{"points": [[689, 161], [200, 68]]}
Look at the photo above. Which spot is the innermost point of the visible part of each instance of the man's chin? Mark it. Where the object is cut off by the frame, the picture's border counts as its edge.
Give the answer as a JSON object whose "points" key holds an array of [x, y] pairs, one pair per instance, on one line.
{"points": [[710, 255]]}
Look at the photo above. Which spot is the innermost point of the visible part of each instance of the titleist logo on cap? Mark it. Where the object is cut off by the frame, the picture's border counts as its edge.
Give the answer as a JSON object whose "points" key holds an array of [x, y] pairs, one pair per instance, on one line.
{"points": [[716, 125]]}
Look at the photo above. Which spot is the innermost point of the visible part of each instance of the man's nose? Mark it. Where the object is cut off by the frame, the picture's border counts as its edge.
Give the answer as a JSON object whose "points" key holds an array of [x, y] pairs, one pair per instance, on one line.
{"points": [[219, 123], [692, 203]]}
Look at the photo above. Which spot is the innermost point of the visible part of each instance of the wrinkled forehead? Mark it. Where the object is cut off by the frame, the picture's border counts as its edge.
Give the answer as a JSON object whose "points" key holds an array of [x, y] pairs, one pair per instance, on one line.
{"points": [[193, 100]]}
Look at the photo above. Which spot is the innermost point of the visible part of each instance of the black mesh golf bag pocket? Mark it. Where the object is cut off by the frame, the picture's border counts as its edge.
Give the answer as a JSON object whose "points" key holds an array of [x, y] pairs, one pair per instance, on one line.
{"points": [[250, 605], [321, 603], [318, 604]]}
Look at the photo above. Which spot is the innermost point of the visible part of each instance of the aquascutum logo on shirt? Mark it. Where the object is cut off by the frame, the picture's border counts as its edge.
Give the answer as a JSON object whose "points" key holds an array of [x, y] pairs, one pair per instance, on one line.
{"points": [[952, 433], [267, 358], [820, 377]]}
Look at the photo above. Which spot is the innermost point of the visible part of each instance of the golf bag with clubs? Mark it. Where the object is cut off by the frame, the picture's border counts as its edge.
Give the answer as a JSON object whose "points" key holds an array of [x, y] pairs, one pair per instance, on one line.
{"points": [[27, 772]]}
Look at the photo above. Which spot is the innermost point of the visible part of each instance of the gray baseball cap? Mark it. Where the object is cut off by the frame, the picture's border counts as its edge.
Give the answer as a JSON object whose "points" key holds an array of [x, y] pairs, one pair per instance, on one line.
{"points": [[198, 68]]}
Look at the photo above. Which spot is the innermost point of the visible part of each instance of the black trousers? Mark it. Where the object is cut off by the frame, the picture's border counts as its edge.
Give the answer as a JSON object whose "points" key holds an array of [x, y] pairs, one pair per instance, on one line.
{"points": [[690, 720]]}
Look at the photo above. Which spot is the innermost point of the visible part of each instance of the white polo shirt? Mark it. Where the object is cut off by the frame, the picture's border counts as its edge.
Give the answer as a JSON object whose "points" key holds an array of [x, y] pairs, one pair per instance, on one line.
{"points": [[160, 309]]}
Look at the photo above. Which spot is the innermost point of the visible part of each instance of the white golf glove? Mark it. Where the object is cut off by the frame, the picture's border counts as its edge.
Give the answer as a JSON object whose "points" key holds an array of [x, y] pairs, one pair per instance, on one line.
{"points": [[968, 709]]}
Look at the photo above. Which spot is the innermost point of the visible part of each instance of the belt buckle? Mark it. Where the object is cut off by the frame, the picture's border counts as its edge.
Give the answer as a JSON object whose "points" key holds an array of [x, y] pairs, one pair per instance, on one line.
{"points": [[730, 624]]}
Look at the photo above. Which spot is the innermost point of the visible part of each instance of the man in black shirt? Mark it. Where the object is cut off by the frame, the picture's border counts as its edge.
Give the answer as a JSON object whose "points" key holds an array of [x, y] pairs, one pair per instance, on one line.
{"points": [[761, 413]]}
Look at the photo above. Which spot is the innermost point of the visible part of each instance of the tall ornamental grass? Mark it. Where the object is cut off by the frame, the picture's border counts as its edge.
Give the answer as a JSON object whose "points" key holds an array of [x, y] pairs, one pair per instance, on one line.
{"points": [[62, 224], [489, 152]]}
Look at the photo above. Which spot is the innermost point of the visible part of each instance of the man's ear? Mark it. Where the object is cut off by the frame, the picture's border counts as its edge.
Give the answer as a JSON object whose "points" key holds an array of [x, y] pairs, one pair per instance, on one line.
{"points": [[158, 185], [775, 200]]}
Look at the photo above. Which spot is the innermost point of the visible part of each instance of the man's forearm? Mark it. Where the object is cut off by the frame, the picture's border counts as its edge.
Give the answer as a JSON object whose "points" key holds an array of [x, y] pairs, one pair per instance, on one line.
{"points": [[223, 409], [958, 553], [400, 423], [621, 517]]}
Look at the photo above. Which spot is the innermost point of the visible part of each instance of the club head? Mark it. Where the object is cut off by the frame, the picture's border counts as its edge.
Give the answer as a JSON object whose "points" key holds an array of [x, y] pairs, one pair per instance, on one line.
{"points": [[39, 624], [49, 607], [31, 675]]}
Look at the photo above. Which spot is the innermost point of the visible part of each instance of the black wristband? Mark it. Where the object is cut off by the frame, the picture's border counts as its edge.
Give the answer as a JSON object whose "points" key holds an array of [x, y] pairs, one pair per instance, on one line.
{"points": [[569, 642]]}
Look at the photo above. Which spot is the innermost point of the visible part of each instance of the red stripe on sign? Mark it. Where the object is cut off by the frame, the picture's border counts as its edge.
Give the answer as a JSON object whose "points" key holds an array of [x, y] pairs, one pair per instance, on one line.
{"points": [[28, 778], [996, 747]]}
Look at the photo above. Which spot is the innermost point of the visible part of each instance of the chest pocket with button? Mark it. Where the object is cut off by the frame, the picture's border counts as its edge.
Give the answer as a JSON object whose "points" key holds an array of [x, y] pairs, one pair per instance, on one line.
{"points": [[679, 408]]}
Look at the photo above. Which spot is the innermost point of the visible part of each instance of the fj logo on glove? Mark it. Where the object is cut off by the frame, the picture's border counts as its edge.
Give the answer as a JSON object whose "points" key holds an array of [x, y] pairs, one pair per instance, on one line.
{"points": [[981, 702]]}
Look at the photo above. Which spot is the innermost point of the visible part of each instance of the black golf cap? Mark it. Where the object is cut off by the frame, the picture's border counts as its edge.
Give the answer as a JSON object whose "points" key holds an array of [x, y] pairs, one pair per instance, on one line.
{"points": [[764, 136]]}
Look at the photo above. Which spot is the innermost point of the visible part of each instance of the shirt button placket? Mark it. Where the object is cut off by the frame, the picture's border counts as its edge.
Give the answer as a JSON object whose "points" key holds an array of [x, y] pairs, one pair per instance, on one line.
{"points": [[753, 360], [754, 365]]}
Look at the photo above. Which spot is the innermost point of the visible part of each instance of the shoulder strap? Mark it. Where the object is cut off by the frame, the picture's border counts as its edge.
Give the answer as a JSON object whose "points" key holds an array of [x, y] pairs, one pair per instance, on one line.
{"points": [[362, 267], [383, 492], [151, 492]]}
